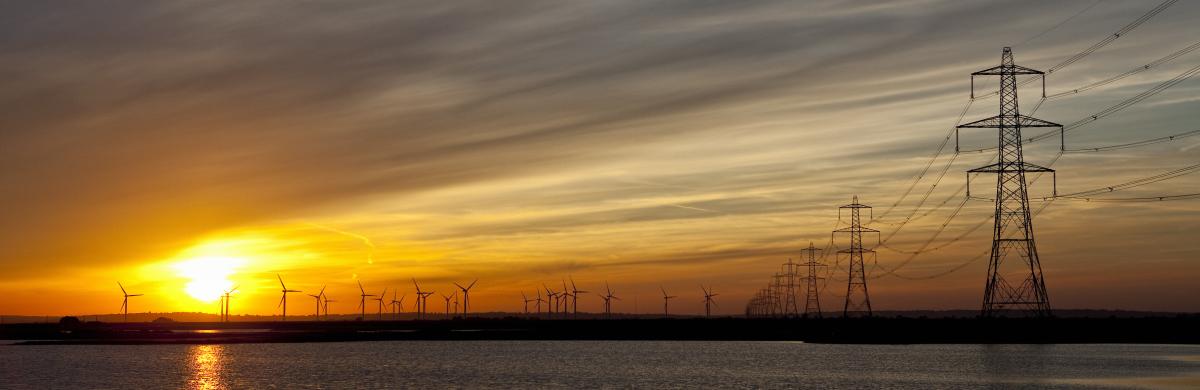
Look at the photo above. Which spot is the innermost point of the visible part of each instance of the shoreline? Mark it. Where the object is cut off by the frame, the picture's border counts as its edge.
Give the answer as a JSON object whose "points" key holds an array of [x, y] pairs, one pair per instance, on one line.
{"points": [[1169, 330]]}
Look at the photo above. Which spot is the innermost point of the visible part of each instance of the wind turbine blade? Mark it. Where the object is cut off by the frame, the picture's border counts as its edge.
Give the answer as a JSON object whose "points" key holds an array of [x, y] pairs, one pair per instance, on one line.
{"points": [[472, 284], [322, 290], [281, 281], [458, 285], [360, 288], [136, 295], [122, 288], [281, 301]]}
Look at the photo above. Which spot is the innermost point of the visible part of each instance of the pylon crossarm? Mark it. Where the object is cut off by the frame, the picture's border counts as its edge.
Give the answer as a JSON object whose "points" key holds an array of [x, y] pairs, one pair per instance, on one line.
{"points": [[984, 123], [1010, 167], [1007, 69], [995, 122], [1028, 121], [854, 229]]}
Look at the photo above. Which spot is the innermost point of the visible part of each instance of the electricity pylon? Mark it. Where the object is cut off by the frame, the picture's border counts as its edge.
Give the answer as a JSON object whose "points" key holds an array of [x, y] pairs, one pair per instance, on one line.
{"points": [[812, 305], [858, 301], [1013, 251], [791, 308]]}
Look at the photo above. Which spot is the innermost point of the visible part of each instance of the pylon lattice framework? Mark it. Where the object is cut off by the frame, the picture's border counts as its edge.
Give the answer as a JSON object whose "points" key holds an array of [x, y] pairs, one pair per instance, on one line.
{"points": [[812, 303], [1014, 253], [858, 300]]}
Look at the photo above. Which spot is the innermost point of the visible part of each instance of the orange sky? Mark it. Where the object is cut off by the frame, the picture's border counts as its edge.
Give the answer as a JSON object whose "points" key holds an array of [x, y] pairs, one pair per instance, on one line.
{"points": [[182, 150]]}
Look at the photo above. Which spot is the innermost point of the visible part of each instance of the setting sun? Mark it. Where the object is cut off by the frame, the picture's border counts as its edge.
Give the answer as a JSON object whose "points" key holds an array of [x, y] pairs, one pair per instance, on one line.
{"points": [[208, 276]]}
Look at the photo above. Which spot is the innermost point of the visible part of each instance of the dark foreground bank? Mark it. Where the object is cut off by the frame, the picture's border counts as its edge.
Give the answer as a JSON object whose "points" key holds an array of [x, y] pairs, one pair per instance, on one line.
{"points": [[1165, 330]]}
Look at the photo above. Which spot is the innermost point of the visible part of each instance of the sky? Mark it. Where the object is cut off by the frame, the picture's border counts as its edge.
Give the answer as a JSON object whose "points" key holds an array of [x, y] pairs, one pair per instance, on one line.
{"points": [[182, 148]]}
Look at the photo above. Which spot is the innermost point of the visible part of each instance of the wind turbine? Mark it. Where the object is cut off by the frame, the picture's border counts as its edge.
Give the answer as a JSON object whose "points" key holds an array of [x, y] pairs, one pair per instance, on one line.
{"points": [[539, 302], [327, 300], [283, 301], [466, 297], [552, 299], [397, 305], [527, 300], [362, 301], [566, 300], [125, 302], [575, 297], [225, 303], [608, 300], [447, 298], [381, 297], [708, 300], [318, 297], [666, 301], [421, 299]]}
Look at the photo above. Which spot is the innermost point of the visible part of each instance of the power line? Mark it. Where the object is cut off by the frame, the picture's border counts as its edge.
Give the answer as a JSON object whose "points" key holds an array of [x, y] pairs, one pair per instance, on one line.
{"points": [[1160, 198], [1128, 73], [1137, 182], [1116, 35], [1084, 195], [1060, 24], [1107, 111], [963, 264], [941, 147], [1097, 46], [1151, 141], [1122, 105]]}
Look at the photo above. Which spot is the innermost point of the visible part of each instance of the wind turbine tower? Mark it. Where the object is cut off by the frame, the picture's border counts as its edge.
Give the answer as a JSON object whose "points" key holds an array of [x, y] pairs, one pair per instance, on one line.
{"points": [[327, 300], [466, 301], [125, 302], [318, 298], [575, 291], [708, 301], [362, 301], [225, 303], [666, 301], [382, 296], [283, 300]]}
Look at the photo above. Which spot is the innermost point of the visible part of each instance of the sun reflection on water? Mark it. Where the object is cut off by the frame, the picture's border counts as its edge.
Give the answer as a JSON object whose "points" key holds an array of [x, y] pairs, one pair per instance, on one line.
{"points": [[206, 365]]}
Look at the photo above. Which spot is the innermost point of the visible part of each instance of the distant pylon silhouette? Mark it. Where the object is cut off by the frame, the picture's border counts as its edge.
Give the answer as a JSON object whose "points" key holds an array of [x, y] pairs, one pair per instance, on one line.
{"points": [[791, 308], [1012, 237], [858, 301], [812, 304]]}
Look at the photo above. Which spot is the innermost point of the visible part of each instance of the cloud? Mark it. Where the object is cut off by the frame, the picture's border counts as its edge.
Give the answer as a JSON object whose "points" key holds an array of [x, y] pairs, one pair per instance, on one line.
{"points": [[131, 129]]}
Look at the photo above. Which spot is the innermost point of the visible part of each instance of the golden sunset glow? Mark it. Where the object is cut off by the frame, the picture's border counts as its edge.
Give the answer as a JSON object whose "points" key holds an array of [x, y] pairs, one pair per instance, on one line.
{"points": [[217, 149], [208, 277]]}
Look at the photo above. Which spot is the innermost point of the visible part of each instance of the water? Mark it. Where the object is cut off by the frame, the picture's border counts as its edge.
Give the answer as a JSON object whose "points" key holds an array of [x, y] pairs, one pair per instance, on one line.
{"points": [[573, 364]]}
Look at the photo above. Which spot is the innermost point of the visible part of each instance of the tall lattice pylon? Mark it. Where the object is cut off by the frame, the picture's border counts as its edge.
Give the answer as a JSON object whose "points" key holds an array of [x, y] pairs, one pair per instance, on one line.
{"points": [[791, 306], [812, 304], [1014, 255], [858, 301]]}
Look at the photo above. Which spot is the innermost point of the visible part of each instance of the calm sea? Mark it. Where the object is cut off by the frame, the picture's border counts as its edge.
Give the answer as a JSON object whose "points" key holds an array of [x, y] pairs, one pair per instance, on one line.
{"points": [[587, 364]]}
